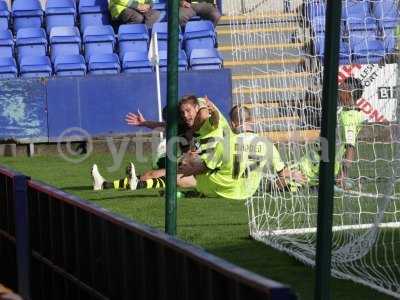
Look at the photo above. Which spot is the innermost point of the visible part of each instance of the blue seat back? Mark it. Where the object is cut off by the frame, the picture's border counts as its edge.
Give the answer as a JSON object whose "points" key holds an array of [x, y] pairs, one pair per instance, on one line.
{"points": [[70, 65], [31, 42], [93, 13], [205, 59], [136, 61], [104, 64], [315, 9], [98, 40], [4, 15], [60, 13], [64, 41], [26, 14], [132, 37], [35, 66], [6, 43], [8, 67]]}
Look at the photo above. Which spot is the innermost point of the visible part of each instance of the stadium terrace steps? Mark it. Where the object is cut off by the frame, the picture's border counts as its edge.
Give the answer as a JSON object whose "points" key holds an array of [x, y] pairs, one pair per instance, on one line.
{"points": [[293, 136], [268, 46]]}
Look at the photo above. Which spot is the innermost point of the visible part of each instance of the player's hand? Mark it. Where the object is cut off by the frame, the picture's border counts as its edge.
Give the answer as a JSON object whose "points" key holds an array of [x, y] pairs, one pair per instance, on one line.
{"points": [[210, 106], [298, 177], [143, 8], [185, 4], [135, 119]]}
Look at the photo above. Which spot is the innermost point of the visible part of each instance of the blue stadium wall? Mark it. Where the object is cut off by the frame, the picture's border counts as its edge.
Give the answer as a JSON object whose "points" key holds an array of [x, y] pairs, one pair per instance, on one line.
{"points": [[39, 110]]}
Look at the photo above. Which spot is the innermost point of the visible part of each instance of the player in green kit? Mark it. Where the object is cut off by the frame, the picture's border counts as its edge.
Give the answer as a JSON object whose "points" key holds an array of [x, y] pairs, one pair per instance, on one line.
{"points": [[255, 156], [205, 127], [349, 122]]}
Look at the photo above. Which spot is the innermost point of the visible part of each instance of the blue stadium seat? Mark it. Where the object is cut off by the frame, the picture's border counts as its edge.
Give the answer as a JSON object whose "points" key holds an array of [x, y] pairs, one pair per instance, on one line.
{"points": [[98, 39], [366, 49], [104, 64], [60, 13], [314, 9], [64, 41], [134, 62], [31, 42], [6, 43], [199, 35], [69, 65], [205, 59], [357, 16], [345, 55], [387, 13], [162, 35], [4, 15], [93, 13], [8, 67], [26, 14], [35, 66], [182, 62], [132, 37]]}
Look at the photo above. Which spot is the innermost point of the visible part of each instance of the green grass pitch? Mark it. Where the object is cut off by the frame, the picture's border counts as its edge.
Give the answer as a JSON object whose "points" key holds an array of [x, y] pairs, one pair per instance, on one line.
{"points": [[218, 225]]}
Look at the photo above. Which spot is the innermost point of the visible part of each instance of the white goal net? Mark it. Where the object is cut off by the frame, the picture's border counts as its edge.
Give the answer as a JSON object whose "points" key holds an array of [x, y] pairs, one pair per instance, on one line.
{"points": [[277, 49]]}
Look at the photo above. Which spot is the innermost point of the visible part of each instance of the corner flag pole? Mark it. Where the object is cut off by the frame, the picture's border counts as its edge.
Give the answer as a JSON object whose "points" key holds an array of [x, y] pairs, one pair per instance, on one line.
{"points": [[154, 57], [326, 168], [172, 113]]}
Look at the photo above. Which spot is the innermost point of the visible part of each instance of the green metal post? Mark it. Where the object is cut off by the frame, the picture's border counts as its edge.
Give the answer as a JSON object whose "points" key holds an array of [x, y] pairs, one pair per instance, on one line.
{"points": [[328, 134], [172, 117]]}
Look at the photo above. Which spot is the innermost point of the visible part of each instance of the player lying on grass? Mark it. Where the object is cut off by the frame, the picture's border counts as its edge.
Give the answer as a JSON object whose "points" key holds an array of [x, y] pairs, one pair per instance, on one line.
{"points": [[194, 111], [236, 176], [241, 124], [349, 122]]}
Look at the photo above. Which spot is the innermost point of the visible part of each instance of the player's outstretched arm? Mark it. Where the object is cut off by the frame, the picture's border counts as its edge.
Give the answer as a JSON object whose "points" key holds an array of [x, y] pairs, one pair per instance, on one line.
{"points": [[207, 111], [138, 120]]}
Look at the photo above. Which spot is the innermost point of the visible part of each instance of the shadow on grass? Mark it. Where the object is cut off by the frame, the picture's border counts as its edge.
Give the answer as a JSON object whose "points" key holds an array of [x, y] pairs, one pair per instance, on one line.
{"points": [[211, 224], [123, 197], [77, 188]]}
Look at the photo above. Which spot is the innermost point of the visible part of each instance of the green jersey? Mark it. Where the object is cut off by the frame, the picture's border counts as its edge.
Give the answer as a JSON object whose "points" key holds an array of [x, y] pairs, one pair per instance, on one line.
{"points": [[252, 157], [349, 124]]}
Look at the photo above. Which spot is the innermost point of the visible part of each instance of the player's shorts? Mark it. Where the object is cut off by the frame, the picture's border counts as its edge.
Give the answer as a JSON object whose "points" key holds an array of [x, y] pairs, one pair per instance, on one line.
{"points": [[206, 185], [214, 185]]}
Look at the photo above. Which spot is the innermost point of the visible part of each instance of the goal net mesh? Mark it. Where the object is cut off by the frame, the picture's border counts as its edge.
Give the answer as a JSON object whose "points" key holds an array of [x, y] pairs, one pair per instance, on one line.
{"points": [[277, 53]]}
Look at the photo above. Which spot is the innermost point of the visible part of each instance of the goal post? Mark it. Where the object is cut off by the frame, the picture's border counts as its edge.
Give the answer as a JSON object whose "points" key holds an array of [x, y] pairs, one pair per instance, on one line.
{"points": [[277, 72]]}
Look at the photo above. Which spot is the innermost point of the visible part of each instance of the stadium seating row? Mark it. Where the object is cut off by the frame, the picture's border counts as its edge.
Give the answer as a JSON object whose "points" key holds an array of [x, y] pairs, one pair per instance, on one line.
{"points": [[359, 15], [29, 13], [99, 43], [132, 37], [106, 63], [367, 29]]}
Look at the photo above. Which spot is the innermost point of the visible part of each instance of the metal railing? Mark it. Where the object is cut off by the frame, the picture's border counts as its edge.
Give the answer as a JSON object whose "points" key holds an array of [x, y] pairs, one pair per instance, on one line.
{"points": [[78, 250]]}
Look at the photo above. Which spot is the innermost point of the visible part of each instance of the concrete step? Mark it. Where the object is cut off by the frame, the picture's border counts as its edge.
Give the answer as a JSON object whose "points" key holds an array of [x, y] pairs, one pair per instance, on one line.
{"points": [[263, 65], [273, 79], [298, 136], [272, 51], [272, 94], [259, 17], [283, 27], [240, 7], [276, 126]]}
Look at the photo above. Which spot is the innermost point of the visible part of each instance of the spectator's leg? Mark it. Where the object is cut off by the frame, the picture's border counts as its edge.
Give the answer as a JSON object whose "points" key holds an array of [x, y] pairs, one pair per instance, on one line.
{"points": [[185, 14], [151, 17], [207, 11], [130, 16]]}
